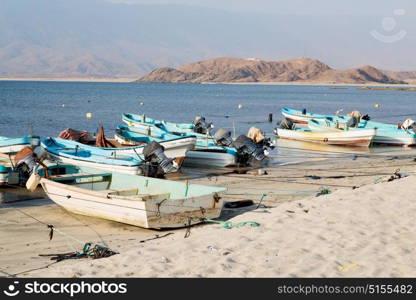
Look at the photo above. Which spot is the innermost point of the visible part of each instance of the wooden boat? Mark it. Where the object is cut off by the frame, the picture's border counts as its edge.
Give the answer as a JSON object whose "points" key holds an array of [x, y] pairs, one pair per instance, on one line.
{"points": [[154, 127], [387, 134], [297, 116], [14, 145], [205, 153], [135, 200], [71, 152], [356, 138]]}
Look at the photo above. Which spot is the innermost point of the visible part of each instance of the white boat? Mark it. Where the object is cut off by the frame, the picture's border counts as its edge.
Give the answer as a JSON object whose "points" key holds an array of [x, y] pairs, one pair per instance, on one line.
{"points": [[356, 138], [177, 148], [204, 154], [212, 158], [135, 200], [71, 152], [14, 145]]}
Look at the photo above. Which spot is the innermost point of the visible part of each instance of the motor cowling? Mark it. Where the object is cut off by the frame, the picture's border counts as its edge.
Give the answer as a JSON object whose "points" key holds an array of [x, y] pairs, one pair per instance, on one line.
{"points": [[156, 162], [353, 122], [223, 138], [27, 162], [246, 146], [287, 124], [201, 126]]}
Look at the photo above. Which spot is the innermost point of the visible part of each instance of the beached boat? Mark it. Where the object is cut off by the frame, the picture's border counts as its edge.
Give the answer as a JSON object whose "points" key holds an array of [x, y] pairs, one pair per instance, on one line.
{"points": [[205, 153], [71, 152], [388, 134], [14, 145], [135, 200], [356, 138], [132, 143], [157, 128], [300, 117]]}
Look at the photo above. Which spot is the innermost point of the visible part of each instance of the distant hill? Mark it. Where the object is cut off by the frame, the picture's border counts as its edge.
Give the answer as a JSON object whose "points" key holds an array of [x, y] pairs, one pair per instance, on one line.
{"points": [[235, 70], [406, 76]]}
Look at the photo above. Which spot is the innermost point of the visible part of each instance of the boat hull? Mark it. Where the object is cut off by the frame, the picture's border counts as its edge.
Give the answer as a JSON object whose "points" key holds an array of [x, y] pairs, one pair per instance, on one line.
{"points": [[345, 138], [173, 148], [384, 135], [151, 213], [131, 170], [211, 159]]}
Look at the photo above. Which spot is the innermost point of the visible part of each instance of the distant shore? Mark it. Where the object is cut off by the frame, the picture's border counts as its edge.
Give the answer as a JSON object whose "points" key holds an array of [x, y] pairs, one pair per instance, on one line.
{"points": [[68, 79], [131, 80]]}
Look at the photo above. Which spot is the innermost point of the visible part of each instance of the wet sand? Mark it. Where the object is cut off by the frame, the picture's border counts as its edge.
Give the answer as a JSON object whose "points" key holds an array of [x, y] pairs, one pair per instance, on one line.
{"points": [[321, 236]]}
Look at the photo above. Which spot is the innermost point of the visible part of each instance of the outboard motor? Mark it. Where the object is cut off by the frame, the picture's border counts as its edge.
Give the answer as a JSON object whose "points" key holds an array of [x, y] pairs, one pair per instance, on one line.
{"points": [[247, 148], [366, 118], [201, 126], [409, 124], [353, 122], [156, 162], [287, 124], [223, 138], [27, 161]]}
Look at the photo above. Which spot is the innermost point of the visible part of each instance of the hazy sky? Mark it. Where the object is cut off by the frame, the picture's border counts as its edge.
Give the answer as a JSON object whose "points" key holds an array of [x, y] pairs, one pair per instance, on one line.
{"points": [[151, 33], [312, 7]]}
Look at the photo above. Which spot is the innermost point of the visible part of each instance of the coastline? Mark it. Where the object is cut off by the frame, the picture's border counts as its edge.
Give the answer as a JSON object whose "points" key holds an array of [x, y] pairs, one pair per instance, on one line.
{"points": [[132, 80]]}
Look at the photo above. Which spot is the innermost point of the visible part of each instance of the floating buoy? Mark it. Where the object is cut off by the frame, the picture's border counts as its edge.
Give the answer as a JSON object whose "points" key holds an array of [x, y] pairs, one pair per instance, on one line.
{"points": [[141, 103], [63, 105], [377, 105], [88, 115], [240, 106]]}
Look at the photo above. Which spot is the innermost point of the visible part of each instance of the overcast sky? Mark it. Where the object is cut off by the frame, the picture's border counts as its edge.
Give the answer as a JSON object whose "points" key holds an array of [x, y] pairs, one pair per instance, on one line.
{"points": [[313, 7]]}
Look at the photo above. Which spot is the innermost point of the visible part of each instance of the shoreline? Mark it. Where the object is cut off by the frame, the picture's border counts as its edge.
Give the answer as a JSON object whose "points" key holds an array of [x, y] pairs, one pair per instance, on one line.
{"points": [[132, 80]]}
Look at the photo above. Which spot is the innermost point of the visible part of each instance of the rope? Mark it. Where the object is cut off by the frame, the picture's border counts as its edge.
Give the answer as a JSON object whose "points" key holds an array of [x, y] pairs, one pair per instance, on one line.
{"points": [[230, 225]]}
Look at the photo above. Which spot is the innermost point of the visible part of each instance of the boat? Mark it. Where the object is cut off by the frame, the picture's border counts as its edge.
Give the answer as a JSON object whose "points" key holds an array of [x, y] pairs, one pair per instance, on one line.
{"points": [[205, 153], [132, 143], [157, 128], [387, 134], [14, 145], [71, 152], [300, 117], [217, 150], [135, 200], [356, 138], [4, 175]]}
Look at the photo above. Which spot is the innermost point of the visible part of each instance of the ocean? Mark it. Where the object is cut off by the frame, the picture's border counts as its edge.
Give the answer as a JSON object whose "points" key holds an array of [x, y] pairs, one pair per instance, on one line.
{"points": [[46, 108]]}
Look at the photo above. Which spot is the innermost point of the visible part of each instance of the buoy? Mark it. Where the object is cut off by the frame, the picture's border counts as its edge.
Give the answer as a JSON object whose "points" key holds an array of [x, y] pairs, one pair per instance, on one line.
{"points": [[141, 103], [377, 105], [88, 115], [240, 106], [63, 105]]}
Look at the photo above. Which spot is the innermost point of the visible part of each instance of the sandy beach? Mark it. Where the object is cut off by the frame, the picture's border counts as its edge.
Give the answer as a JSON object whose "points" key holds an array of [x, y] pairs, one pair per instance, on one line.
{"points": [[363, 228]]}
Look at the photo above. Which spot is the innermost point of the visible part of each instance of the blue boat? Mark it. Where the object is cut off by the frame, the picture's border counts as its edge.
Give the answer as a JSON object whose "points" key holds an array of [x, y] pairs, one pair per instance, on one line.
{"points": [[205, 153], [71, 152], [157, 128], [14, 145], [386, 133]]}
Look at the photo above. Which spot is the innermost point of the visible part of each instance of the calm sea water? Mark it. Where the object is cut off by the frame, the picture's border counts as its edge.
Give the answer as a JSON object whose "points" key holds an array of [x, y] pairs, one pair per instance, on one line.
{"points": [[49, 107]]}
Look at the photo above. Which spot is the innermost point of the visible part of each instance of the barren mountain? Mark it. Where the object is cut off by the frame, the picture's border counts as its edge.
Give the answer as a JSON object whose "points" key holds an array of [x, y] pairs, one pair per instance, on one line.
{"points": [[226, 69], [406, 75]]}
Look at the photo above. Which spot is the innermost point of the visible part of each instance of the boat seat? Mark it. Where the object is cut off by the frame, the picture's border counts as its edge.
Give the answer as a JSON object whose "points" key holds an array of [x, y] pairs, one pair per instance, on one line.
{"points": [[126, 192], [65, 177]]}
